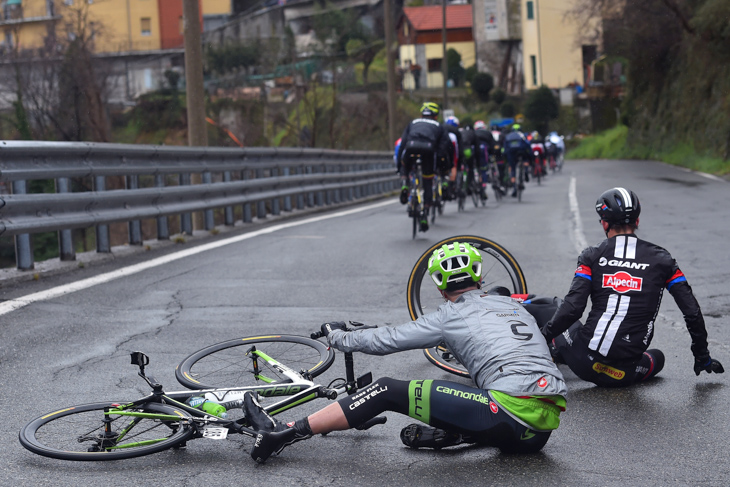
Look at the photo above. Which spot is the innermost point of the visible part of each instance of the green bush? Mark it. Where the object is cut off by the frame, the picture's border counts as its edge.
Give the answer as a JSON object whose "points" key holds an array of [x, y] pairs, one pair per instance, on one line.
{"points": [[541, 107], [469, 73], [498, 95], [482, 84], [507, 110]]}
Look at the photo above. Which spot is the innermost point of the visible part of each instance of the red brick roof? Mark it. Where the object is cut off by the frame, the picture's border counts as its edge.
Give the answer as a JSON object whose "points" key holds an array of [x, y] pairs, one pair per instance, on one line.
{"points": [[430, 17]]}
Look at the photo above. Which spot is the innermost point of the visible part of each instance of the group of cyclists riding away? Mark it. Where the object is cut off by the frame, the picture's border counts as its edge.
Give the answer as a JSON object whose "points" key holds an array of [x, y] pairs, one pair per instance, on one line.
{"points": [[511, 345], [457, 161]]}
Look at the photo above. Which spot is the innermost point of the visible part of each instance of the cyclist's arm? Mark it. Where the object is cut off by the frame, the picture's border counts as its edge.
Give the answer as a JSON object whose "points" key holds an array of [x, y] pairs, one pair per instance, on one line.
{"points": [[572, 307], [681, 291], [403, 139], [423, 333], [444, 147]]}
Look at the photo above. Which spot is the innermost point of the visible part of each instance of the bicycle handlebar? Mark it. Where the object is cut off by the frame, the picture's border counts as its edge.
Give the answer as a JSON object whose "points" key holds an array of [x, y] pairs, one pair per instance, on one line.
{"points": [[360, 326]]}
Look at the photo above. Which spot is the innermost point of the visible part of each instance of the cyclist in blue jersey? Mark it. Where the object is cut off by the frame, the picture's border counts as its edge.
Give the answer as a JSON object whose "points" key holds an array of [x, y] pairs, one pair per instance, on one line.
{"points": [[516, 145], [519, 391]]}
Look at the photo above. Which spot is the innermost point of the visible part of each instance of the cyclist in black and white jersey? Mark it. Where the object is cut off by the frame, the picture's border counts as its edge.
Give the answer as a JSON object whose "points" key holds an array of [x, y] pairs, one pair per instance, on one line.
{"points": [[625, 277], [519, 391]]}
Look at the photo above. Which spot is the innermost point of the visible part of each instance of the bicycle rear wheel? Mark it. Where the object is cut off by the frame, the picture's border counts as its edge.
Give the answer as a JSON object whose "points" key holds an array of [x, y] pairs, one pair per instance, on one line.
{"points": [[499, 268], [228, 364], [475, 186], [89, 433], [494, 179], [414, 218]]}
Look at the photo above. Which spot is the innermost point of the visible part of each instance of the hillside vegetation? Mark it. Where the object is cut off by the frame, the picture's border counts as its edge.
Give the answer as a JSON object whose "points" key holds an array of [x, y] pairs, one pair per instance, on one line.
{"points": [[677, 107]]}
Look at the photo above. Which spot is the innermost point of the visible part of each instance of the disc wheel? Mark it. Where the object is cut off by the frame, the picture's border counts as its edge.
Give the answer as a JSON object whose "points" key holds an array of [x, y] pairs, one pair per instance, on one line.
{"points": [[92, 432], [499, 268], [228, 364]]}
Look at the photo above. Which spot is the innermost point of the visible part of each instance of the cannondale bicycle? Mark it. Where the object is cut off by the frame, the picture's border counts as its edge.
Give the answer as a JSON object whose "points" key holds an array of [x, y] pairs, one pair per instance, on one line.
{"points": [[280, 369], [499, 268]]}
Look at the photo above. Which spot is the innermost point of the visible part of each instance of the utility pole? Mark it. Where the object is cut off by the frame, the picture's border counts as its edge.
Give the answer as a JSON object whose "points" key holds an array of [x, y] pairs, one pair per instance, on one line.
{"points": [[388, 26], [444, 63], [195, 91]]}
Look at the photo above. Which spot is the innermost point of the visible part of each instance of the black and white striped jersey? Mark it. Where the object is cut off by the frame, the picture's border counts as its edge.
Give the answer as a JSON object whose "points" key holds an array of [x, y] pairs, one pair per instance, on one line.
{"points": [[625, 278]]}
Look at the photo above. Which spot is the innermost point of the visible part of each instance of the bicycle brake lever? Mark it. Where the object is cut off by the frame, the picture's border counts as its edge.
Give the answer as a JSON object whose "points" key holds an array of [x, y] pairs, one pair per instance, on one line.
{"points": [[362, 326]]}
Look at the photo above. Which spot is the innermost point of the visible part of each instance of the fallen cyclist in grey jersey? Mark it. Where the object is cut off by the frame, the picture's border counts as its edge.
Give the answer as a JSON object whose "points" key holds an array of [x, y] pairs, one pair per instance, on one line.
{"points": [[520, 391]]}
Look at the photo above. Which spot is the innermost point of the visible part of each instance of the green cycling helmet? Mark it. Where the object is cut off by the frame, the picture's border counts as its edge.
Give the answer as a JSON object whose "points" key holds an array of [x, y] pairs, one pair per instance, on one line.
{"points": [[455, 266], [429, 109]]}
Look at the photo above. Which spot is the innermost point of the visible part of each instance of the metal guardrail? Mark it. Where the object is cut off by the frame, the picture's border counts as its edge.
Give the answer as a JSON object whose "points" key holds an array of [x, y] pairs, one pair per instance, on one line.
{"points": [[264, 180]]}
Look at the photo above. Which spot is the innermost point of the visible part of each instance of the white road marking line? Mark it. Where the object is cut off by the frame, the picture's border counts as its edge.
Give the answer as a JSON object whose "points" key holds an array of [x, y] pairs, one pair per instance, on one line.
{"points": [[17, 303], [579, 238]]}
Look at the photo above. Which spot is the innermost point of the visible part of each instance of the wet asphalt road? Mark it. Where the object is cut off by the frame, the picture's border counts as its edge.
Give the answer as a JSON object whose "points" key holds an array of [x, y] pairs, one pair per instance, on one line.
{"points": [[74, 348]]}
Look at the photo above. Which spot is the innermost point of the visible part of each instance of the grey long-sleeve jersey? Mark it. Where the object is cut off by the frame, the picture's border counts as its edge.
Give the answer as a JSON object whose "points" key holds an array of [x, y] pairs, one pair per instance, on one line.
{"points": [[494, 337]]}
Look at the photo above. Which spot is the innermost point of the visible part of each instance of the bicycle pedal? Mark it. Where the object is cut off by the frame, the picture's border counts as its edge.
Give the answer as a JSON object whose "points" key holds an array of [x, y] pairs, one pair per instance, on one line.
{"points": [[215, 433]]}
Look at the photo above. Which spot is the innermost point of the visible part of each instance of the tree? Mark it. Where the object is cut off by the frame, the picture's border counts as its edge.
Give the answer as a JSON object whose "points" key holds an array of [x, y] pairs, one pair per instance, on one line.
{"points": [[60, 88], [541, 106], [482, 85], [455, 70], [499, 96]]}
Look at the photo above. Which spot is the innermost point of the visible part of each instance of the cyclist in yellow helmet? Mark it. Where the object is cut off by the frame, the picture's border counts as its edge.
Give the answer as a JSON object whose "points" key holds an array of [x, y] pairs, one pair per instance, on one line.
{"points": [[424, 138]]}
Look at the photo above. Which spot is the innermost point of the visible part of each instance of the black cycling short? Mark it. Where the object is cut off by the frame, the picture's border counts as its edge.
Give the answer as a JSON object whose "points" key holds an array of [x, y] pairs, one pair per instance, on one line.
{"points": [[446, 405], [591, 366], [428, 162]]}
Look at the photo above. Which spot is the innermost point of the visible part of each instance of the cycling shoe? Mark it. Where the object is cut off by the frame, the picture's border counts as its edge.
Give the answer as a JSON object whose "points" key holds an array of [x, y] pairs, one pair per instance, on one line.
{"points": [[421, 436]]}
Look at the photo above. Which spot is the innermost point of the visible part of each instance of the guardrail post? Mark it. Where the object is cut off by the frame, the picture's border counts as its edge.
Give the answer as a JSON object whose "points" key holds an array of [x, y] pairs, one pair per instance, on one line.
{"points": [[135, 226], [228, 219], [102, 231], [247, 213], [23, 247], [351, 189], [261, 205], [66, 249], [310, 196], [320, 194], [300, 197], [331, 194], [287, 199], [275, 204], [163, 231], [186, 219], [209, 221], [357, 189]]}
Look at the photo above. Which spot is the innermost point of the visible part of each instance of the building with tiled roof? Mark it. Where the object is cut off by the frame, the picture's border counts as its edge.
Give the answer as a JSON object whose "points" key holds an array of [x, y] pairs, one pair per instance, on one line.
{"points": [[419, 33]]}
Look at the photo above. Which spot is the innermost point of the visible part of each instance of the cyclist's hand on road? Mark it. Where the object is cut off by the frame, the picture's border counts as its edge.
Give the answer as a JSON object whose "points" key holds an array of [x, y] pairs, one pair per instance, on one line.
{"points": [[709, 366], [327, 328]]}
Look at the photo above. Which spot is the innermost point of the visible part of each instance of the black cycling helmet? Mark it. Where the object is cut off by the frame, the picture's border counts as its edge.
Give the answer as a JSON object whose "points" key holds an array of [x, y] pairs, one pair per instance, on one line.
{"points": [[618, 206]]}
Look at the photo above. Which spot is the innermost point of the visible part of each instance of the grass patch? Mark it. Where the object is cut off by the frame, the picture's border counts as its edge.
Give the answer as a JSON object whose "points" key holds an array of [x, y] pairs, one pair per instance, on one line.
{"points": [[611, 144], [605, 145]]}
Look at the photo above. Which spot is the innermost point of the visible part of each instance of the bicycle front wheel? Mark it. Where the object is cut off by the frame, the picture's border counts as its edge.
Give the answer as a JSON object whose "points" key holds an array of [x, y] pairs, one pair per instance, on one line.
{"points": [[93, 432], [228, 364]]}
